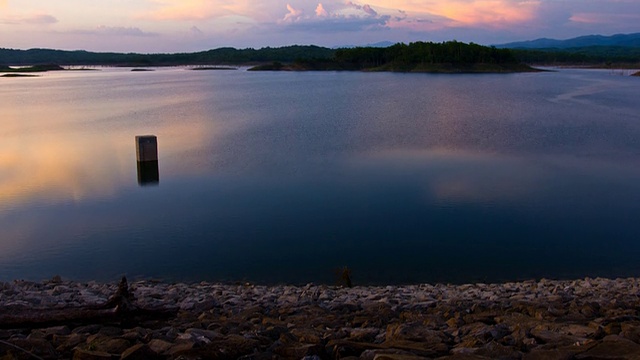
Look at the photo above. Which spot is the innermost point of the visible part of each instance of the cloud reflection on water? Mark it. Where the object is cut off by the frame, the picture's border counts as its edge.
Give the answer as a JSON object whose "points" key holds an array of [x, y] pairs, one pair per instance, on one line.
{"points": [[58, 168]]}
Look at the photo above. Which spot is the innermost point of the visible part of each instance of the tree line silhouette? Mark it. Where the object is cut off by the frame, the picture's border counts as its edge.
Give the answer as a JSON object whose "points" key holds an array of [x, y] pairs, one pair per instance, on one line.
{"points": [[422, 55], [416, 56], [215, 56]]}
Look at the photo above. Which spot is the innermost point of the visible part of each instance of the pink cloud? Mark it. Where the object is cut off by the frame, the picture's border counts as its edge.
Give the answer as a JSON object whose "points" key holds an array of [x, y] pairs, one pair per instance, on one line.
{"points": [[185, 10], [366, 8], [38, 19], [121, 31], [348, 17], [320, 11], [293, 13], [189, 10]]}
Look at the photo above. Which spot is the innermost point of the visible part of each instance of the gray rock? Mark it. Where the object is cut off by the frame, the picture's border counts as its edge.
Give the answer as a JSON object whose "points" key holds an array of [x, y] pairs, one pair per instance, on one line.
{"points": [[110, 331], [80, 354], [181, 347], [552, 337], [70, 342], [89, 329], [57, 330], [38, 347], [554, 354], [160, 346], [109, 345], [612, 347]]}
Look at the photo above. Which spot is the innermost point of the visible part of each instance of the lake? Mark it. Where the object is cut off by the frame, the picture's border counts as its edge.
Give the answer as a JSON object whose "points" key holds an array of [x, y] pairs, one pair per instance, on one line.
{"points": [[281, 177]]}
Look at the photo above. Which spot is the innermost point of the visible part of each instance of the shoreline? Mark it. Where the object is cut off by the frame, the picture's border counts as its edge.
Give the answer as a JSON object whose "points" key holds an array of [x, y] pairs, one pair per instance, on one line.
{"points": [[562, 319]]}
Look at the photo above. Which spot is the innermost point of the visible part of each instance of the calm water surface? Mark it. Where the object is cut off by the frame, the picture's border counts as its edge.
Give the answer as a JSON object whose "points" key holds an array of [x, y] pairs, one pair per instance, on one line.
{"points": [[284, 177]]}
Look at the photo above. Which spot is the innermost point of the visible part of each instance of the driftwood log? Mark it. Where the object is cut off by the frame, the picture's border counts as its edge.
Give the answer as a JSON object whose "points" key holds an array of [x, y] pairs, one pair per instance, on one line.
{"points": [[121, 307]]}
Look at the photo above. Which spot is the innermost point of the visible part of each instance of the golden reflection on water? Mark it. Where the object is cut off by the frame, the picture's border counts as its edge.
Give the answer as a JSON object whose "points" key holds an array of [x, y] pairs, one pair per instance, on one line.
{"points": [[62, 143], [60, 167]]}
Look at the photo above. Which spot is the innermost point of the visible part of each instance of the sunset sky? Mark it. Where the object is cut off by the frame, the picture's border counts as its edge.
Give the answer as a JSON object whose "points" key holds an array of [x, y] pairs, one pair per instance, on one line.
{"points": [[192, 25]]}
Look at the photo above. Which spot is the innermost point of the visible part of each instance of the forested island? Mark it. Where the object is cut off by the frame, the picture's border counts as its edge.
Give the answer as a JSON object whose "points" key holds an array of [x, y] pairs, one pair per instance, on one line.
{"points": [[446, 57]]}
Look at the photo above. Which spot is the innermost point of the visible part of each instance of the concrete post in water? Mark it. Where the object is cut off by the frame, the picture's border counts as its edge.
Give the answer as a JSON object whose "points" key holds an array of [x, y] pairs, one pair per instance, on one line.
{"points": [[147, 159], [146, 148]]}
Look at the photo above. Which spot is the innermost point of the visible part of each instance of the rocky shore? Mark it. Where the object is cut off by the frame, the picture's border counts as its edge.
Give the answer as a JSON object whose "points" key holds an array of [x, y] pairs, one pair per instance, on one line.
{"points": [[546, 319]]}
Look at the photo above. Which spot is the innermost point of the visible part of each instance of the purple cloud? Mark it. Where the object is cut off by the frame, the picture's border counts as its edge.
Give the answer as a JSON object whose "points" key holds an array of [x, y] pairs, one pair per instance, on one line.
{"points": [[366, 8], [40, 19], [340, 24], [121, 31]]}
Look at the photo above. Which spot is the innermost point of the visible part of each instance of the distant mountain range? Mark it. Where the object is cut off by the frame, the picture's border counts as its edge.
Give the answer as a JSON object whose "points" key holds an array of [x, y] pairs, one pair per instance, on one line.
{"points": [[619, 40], [379, 44]]}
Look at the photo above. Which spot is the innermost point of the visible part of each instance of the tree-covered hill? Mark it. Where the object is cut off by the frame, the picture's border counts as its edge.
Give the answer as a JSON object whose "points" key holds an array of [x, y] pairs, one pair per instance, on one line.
{"points": [[424, 56], [451, 56]]}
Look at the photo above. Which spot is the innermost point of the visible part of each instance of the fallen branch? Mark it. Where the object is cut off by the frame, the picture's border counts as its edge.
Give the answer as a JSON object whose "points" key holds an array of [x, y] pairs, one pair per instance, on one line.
{"points": [[21, 349], [120, 307]]}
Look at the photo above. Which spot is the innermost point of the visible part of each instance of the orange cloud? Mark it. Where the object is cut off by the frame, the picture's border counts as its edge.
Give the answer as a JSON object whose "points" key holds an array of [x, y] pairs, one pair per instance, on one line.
{"points": [[320, 11], [489, 13], [31, 19]]}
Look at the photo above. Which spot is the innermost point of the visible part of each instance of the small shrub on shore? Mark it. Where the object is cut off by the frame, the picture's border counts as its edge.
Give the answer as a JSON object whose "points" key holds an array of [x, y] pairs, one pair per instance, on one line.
{"points": [[344, 277]]}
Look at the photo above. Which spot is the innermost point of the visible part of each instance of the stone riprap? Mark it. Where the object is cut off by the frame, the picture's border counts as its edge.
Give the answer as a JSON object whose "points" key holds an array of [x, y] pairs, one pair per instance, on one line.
{"points": [[546, 319]]}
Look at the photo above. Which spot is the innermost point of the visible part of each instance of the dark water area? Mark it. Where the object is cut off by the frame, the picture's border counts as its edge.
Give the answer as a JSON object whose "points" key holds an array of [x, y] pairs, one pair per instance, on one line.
{"points": [[286, 177]]}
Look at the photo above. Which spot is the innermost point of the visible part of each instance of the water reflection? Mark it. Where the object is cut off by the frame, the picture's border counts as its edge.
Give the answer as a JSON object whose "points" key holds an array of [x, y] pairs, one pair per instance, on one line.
{"points": [[41, 169], [482, 176], [68, 140], [148, 173]]}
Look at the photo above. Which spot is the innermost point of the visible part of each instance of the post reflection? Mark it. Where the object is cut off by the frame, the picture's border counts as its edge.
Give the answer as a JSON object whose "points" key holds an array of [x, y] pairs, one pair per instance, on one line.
{"points": [[148, 173]]}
